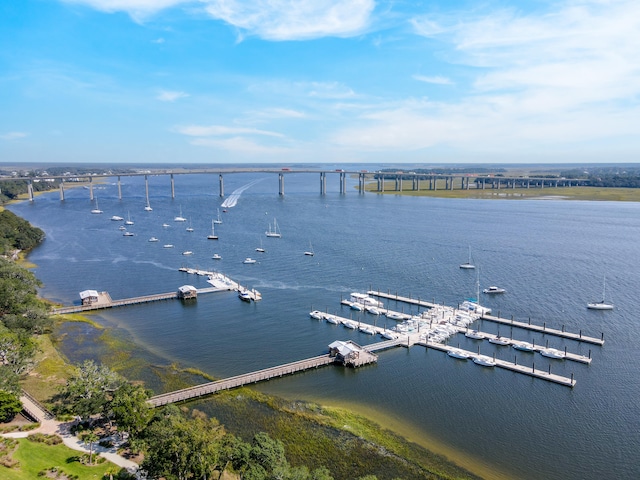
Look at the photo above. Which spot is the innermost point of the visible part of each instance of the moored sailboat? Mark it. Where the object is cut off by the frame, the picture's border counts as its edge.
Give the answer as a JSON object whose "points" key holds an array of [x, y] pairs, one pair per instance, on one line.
{"points": [[601, 305]]}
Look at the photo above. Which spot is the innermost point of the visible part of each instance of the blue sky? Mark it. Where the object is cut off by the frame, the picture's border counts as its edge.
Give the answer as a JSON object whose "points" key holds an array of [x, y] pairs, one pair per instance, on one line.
{"points": [[292, 81]]}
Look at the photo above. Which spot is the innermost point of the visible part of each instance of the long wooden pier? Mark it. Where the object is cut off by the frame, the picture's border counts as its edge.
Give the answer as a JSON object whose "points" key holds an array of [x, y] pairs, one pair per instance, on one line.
{"points": [[504, 321], [241, 380], [514, 367]]}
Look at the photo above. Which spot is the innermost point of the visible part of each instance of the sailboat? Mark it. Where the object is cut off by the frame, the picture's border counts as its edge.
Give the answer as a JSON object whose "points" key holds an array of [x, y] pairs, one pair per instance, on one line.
{"points": [[602, 305], [180, 218], [128, 221], [275, 232], [189, 228], [468, 265], [310, 251], [218, 221], [213, 235], [148, 206], [96, 210], [260, 249]]}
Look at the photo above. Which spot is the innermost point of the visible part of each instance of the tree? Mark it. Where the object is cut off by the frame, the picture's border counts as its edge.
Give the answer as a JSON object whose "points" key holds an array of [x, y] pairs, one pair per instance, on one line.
{"points": [[267, 452], [90, 437], [10, 405], [17, 351], [89, 389], [131, 411]]}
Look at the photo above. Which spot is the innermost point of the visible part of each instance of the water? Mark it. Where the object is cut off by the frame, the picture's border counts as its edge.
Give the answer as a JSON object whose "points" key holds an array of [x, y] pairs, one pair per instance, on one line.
{"points": [[550, 255]]}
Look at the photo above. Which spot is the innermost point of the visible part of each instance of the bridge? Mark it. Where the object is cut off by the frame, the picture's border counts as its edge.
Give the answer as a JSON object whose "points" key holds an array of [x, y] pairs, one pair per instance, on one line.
{"points": [[384, 181]]}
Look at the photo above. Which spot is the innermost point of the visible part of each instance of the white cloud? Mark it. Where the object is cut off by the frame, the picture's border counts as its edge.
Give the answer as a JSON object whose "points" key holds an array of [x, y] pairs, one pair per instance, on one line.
{"points": [[438, 80], [559, 79], [138, 9], [294, 19], [220, 130], [13, 135], [170, 96]]}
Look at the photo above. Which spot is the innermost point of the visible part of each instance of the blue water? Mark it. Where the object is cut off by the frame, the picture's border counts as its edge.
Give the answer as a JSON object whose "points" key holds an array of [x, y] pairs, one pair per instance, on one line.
{"points": [[550, 255]]}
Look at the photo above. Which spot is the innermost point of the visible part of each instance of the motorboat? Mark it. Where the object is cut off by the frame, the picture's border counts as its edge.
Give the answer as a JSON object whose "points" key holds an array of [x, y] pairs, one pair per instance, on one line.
{"points": [[316, 314], [122, 227], [187, 252], [493, 289], [394, 315], [213, 235], [127, 234], [372, 310], [350, 324], [117, 218], [153, 239], [484, 361], [273, 232], [168, 245], [165, 225], [248, 260], [552, 353], [500, 340], [244, 296], [179, 218], [471, 306], [602, 305], [389, 335], [459, 354], [474, 334], [524, 346], [356, 306], [367, 329], [364, 299], [216, 257], [331, 319]]}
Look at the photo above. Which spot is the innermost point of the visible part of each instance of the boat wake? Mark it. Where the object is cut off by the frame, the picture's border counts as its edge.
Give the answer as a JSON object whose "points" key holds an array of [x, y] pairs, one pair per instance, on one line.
{"points": [[232, 200]]}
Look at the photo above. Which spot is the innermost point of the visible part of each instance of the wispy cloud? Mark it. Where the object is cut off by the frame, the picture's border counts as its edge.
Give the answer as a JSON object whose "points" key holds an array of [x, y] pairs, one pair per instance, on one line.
{"points": [[138, 9], [294, 19], [13, 135], [170, 96], [220, 130], [240, 145], [438, 80]]}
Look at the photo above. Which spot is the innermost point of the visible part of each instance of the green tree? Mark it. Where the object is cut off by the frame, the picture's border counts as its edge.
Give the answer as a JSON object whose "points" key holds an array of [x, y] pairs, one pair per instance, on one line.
{"points": [[17, 351], [90, 438], [89, 389], [10, 405], [131, 411], [267, 452]]}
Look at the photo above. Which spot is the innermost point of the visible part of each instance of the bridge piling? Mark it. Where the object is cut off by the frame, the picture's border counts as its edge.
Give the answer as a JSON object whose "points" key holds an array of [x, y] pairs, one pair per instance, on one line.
{"points": [[221, 180], [119, 188], [62, 190], [173, 187], [281, 184]]}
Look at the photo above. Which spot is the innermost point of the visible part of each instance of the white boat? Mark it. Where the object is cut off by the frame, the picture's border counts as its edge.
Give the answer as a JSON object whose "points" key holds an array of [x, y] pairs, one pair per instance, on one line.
{"points": [[602, 305], [459, 354], [484, 361], [216, 257], [189, 228], [260, 249], [213, 235], [128, 221], [248, 260], [168, 245], [165, 225], [493, 289], [310, 251], [316, 314], [244, 296], [500, 340], [275, 232], [471, 306], [122, 227], [394, 315], [153, 239], [372, 310], [147, 207], [356, 306], [127, 234], [350, 324], [364, 299], [468, 265], [332, 319], [388, 334], [187, 252], [218, 221], [117, 218], [96, 210], [524, 346], [474, 334], [552, 353], [179, 218], [367, 329]]}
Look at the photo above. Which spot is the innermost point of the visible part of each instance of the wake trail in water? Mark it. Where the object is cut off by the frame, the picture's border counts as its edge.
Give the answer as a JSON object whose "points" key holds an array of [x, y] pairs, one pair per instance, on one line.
{"points": [[235, 195]]}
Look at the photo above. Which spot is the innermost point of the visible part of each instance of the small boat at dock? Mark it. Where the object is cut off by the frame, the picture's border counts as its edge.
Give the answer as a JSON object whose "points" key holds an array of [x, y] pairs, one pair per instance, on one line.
{"points": [[484, 361], [500, 341], [316, 314], [552, 353], [524, 346], [474, 334], [459, 354], [244, 296]]}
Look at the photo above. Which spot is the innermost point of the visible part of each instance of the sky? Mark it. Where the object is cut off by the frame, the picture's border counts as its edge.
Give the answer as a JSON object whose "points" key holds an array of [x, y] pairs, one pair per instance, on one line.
{"points": [[319, 81]]}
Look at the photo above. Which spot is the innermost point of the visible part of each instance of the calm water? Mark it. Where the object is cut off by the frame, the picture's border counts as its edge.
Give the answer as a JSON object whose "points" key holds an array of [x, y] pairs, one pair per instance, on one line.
{"points": [[550, 255]]}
